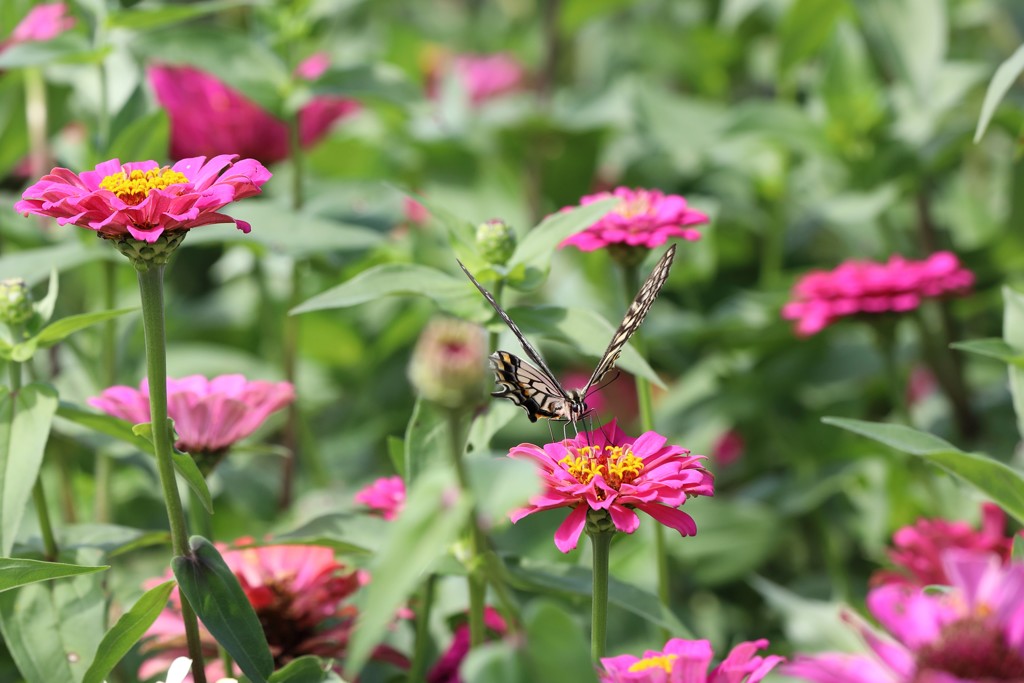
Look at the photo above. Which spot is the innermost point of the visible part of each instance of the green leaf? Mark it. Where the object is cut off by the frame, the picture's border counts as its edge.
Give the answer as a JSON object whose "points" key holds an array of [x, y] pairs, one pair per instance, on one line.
{"points": [[1001, 483], [17, 571], [805, 30], [327, 530], [389, 279], [34, 265], [992, 348], [1013, 335], [396, 453], [434, 514], [149, 18], [308, 669], [146, 137], [216, 596], [426, 439], [183, 463], [1006, 75], [555, 647], [132, 625], [501, 485], [60, 329], [536, 248], [44, 307], [379, 81], [104, 424], [65, 48], [497, 662], [24, 429]]}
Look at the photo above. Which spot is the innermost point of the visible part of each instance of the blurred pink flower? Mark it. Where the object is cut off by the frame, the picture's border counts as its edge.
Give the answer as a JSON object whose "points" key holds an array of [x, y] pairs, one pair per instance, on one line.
{"points": [[643, 218], [728, 448], [617, 397], [446, 670], [43, 22], [209, 415], [484, 76], [301, 595], [864, 287], [687, 661], [918, 549], [143, 200], [385, 496], [972, 633], [920, 384], [607, 470], [208, 116], [415, 213]]}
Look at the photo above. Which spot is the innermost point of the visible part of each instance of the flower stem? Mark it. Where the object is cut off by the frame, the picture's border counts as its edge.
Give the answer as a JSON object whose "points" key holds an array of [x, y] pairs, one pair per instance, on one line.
{"points": [[104, 469], [36, 120], [151, 289], [601, 543], [419, 655]]}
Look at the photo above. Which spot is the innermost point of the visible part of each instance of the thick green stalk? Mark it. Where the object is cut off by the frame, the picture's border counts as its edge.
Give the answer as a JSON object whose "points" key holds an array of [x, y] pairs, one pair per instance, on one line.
{"points": [[601, 543], [418, 668], [475, 576], [151, 288]]}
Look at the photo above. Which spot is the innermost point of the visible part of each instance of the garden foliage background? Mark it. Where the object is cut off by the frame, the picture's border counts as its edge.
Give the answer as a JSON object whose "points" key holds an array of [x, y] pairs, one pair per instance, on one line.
{"points": [[811, 132]]}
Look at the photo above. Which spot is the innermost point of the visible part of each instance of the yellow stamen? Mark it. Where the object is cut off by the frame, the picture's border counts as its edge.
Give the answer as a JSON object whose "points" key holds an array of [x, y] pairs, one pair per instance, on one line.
{"points": [[634, 207], [615, 464], [134, 187], [656, 662]]}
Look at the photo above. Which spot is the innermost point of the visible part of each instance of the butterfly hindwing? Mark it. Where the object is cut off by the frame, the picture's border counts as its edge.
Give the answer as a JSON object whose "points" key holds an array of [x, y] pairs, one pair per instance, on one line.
{"points": [[526, 386]]}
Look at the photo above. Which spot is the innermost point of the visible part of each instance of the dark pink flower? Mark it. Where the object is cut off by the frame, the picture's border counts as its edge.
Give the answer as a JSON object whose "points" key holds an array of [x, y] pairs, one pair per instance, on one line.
{"points": [[972, 633], [209, 415], [864, 287], [687, 661], [918, 549], [607, 470], [301, 594], [643, 218], [143, 200], [208, 116], [385, 496], [484, 76], [728, 448], [447, 668], [43, 22]]}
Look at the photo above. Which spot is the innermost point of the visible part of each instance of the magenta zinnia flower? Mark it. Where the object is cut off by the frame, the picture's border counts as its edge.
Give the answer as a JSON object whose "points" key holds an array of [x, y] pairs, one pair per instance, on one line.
{"points": [[643, 218], [43, 22], [972, 633], [385, 496], [207, 116], [143, 200], [607, 470], [446, 670], [864, 287], [918, 549], [301, 594], [687, 661], [209, 415], [484, 76]]}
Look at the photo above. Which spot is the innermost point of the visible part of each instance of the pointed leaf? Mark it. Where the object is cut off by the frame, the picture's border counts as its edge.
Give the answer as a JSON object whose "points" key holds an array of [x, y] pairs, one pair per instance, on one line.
{"points": [[992, 348], [555, 647], [1013, 335], [382, 81], [385, 280], [18, 571], [35, 265], [60, 329], [308, 669], [1006, 75], [216, 596], [132, 625], [104, 424], [539, 244], [183, 464]]}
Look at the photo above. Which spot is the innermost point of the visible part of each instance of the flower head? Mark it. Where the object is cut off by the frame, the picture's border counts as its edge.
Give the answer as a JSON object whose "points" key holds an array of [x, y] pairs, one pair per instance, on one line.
{"points": [[643, 219], [973, 632], [449, 363], [607, 470], [483, 76], [820, 298], [918, 549], [496, 241], [687, 661], [728, 448], [301, 595], [385, 496], [209, 415], [43, 22], [207, 116], [143, 200]]}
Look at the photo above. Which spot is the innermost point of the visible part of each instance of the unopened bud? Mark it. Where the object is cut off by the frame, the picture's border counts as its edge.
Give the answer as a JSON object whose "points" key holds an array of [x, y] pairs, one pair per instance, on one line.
{"points": [[449, 363], [496, 241], [15, 301]]}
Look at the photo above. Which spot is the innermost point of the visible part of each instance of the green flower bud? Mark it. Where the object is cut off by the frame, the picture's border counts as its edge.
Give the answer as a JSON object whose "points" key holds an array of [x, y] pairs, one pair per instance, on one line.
{"points": [[15, 301], [449, 364], [496, 241], [144, 255]]}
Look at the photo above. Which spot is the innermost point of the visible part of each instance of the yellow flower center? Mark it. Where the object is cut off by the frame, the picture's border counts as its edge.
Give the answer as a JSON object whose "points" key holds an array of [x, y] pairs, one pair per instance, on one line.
{"points": [[132, 188], [656, 662], [637, 206], [615, 464]]}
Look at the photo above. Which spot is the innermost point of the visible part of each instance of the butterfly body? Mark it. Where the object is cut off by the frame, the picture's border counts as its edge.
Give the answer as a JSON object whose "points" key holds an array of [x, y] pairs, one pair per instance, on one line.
{"points": [[534, 387]]}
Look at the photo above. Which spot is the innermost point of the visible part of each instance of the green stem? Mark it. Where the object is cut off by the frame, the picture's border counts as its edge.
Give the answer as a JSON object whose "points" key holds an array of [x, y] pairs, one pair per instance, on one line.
{"points": [[418, 668], [601, 543], [885, 334], [151, 289], [474, 575], [104, 469], [36, 121], [773, 248]]}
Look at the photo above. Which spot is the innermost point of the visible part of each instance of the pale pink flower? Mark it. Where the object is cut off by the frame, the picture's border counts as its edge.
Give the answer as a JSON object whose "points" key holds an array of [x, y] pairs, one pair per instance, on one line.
{"points": [[385, 496], [143, 200], [207, 116], [972, 633], [728, 448], [643, 218], [209, 415], [863, 287], [301, 594], [607, 470], [918, 549], [446, 670], [483, 76], [415, 213], [43, 22], [687, 661]]}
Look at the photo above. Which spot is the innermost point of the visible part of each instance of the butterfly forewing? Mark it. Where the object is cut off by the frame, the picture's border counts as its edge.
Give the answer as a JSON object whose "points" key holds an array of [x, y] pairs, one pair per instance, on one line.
{"points": [[528, 387]]}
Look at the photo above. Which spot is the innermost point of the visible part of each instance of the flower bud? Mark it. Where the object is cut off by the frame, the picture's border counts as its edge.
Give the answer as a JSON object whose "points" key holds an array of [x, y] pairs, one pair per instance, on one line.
{"points": [[449, 363], [15, 301], [496, 241]]}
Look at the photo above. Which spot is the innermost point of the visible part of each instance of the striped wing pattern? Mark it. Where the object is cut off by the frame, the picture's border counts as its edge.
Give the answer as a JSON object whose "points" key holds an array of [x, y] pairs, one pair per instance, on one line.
{"points": [[540, 396]]}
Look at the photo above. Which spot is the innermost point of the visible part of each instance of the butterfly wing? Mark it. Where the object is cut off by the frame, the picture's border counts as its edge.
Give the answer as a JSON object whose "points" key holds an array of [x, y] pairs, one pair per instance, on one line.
{"points": [[528, 387], [635, 315]]}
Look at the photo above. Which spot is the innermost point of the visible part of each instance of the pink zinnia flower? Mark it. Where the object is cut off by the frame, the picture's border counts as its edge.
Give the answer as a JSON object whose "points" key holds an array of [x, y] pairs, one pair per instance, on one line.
{"points": [[918, 549], [643, 218], [446, 670], [301, 595], [864, 287], [143, 200], [607, 470], [728, 448], [972, 633], [209, 415], [43, 22], [208, 116], [484, 76], [385, 496], [687, 661], [920, 384]]}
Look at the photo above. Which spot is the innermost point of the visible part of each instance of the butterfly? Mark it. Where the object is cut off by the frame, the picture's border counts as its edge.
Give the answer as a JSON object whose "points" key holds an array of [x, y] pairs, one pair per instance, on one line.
{"points": [[534, 387]]}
